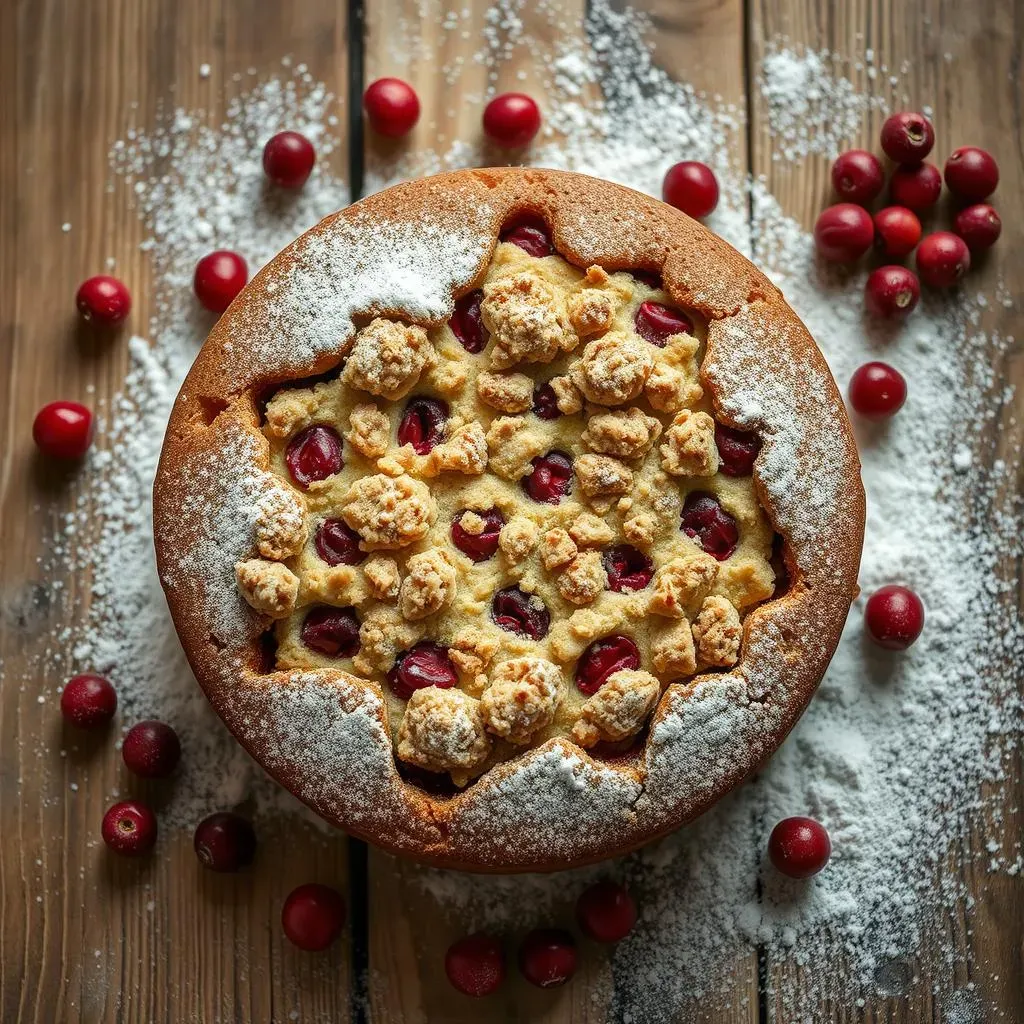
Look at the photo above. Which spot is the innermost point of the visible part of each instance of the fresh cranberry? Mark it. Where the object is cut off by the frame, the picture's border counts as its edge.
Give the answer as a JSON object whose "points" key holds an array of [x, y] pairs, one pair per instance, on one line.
{"points": [[426, 664], [706, 521], [224, 842], [531, 236], [521, 613], [971, 173], [314, 454], [602, 659], [88, 701], [897, 231], [979, 226], [692, 187], [312, 916], [103, 300], [916, 187], [511, 120], [151, 749], [63, 430], [606, 912], [547, 957], [627, 568], [737, 450], [894, 617], [799, 847], [857, 176], [942, 259], [475, 965], [550, 480], [338, 544], [657, 323], [892, 291], [478, 546], [332, 632], [392, 107], [129, 828], [844, 232], [423, 424], [219, 277], [545, 402], [877, 391], [466, 323], [907, 137], [288, 159]]}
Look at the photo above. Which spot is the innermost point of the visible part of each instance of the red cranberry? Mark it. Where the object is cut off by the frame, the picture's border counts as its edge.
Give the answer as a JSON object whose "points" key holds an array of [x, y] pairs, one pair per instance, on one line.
{"points": [[907, 137], [657, 323], [314, 454], [707, 522], [288, 159], [942, 259], [338, 544], [892, 291], [423, 424], [917, 187], [63, 430], [604, 658], [151, 749], [475, 965], [392, 107], [606, 912], [843, 233], [332, 632], [737, 450], [971, 173], [692, 187], [224, 842], [894, 617], [426, 664], [511, 120], [219, 277], [129, 828], [857, 176], [478, 546], [521, 613], [103, 300], [627, 568], [979, 226], [545, 402], [877, 391], [312, 916], [88, 701], [550, 480], [897, 231], [531, 236], [547, 957], [799, 847], [467, 324]]}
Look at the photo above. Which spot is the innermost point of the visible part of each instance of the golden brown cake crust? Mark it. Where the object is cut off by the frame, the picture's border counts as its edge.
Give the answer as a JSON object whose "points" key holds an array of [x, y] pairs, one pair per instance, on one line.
{"points": [[409, 252]]}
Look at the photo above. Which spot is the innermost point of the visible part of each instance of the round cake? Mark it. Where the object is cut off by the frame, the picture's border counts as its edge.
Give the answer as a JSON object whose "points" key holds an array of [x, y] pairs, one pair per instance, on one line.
{"points": [[509, 518]]}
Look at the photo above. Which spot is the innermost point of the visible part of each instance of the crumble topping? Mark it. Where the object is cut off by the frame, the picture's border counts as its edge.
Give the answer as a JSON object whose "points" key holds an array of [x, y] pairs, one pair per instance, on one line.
{"points": [[626, 433], [682, 583], [717, 633], [600, 476], [388, 357], [388, 512], [613, 369], [618, 710], [506, 392], [557, 549], [382, 576], [518, 538], [443, 731], [526, 320], [269, 587], [429, 585], [280, 528], [689, 448], [369, 430], [521, 699], [584, 579]]}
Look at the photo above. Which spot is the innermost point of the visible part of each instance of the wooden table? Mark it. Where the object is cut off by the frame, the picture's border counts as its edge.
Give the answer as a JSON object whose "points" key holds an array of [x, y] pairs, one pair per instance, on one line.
{"points": [[87, 939]]}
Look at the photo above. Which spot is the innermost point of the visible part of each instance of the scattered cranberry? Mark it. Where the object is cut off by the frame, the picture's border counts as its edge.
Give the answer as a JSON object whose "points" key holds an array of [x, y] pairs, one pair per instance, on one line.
{"points": [[545, 402], [606, 912], [314, 454], [478, 546], [907, 138], [224, 842], [392, 107], [521, 613], [894, 617], [657, 323], [971, 173], [88, 701], [877, 391], [844, 232], [219, 277], [129, 828], [531, 236], [63, 430], [942, 259], [737, 450], [332, 632], [897, 231], [475, 965], [423, 424], [338, 544], [511, 120], [547, 957], [692, 187], [288, 159], [466, 323], [917, 187], [426, 664], [151, 749], [707, 522], [604, 658], [857, 176], [799, 847], [313, 916], [979, 226], [103, 300], [892, 291], [627, 568], [550, 480]]}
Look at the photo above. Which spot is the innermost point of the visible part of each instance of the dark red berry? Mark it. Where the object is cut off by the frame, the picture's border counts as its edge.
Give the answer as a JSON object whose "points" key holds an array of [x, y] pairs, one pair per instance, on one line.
{"points": [[857, 176], [657, 323], [478, 546], [550, 480], [466, 323], [709, 524], [892, 291], [129, 828], [979, 226], [651, 278], [88, 701], [392, 107], [907, 137], [606, 912], [531, 236], [332, 632], [692, 187], [843, 233], [426, 664], [288, 159], [877, 391], [627, 568], [151, 749], [737, 450], [423, 424], [475, 965], [545, 402], [942, 259], [894, 617], [511, 120], [224, 842], [314, 454], [63, 430], [799, 847], [603, 658], [521, 613], [897, 231], [971, 173], [337, 543], [312, 916], [916, 187], [219, 277], [103, 300], [547, 957]]}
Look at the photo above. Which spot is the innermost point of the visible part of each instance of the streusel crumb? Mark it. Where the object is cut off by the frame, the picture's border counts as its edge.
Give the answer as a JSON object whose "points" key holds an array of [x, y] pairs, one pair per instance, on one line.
{"points": [[506, 392], [383, 634], [689, 448], [369, 431], [641, 529], [590, 312], [590, 531], [388, 512], [269, 587], [618, 710], [280, 528], [513, 444], [291, 410], [601, 476], [443, 731], [674, 381], [717, 633], [557, 549], [625, 433], [613, 369], [429, 584], [388, 358], [672, 651], [682, 584], [526, 321], [472, 524], [522, 698], [465, 451], [518, 538], [567, 396], [584, 580], [382, 576], [471, 652]]}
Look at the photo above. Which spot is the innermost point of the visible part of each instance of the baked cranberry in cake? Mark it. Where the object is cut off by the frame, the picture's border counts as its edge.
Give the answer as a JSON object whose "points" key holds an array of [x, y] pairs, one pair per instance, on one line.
{"points": [[657, 323], [531, 236], [426, 664], [423, 424], [737, 450], [627, 567], [604, 658], [338, 544], [478, 546], [550, 479], [545, 402], [710, 525], [314, 454], [521, 613], [466, 323], [332, 632]]}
